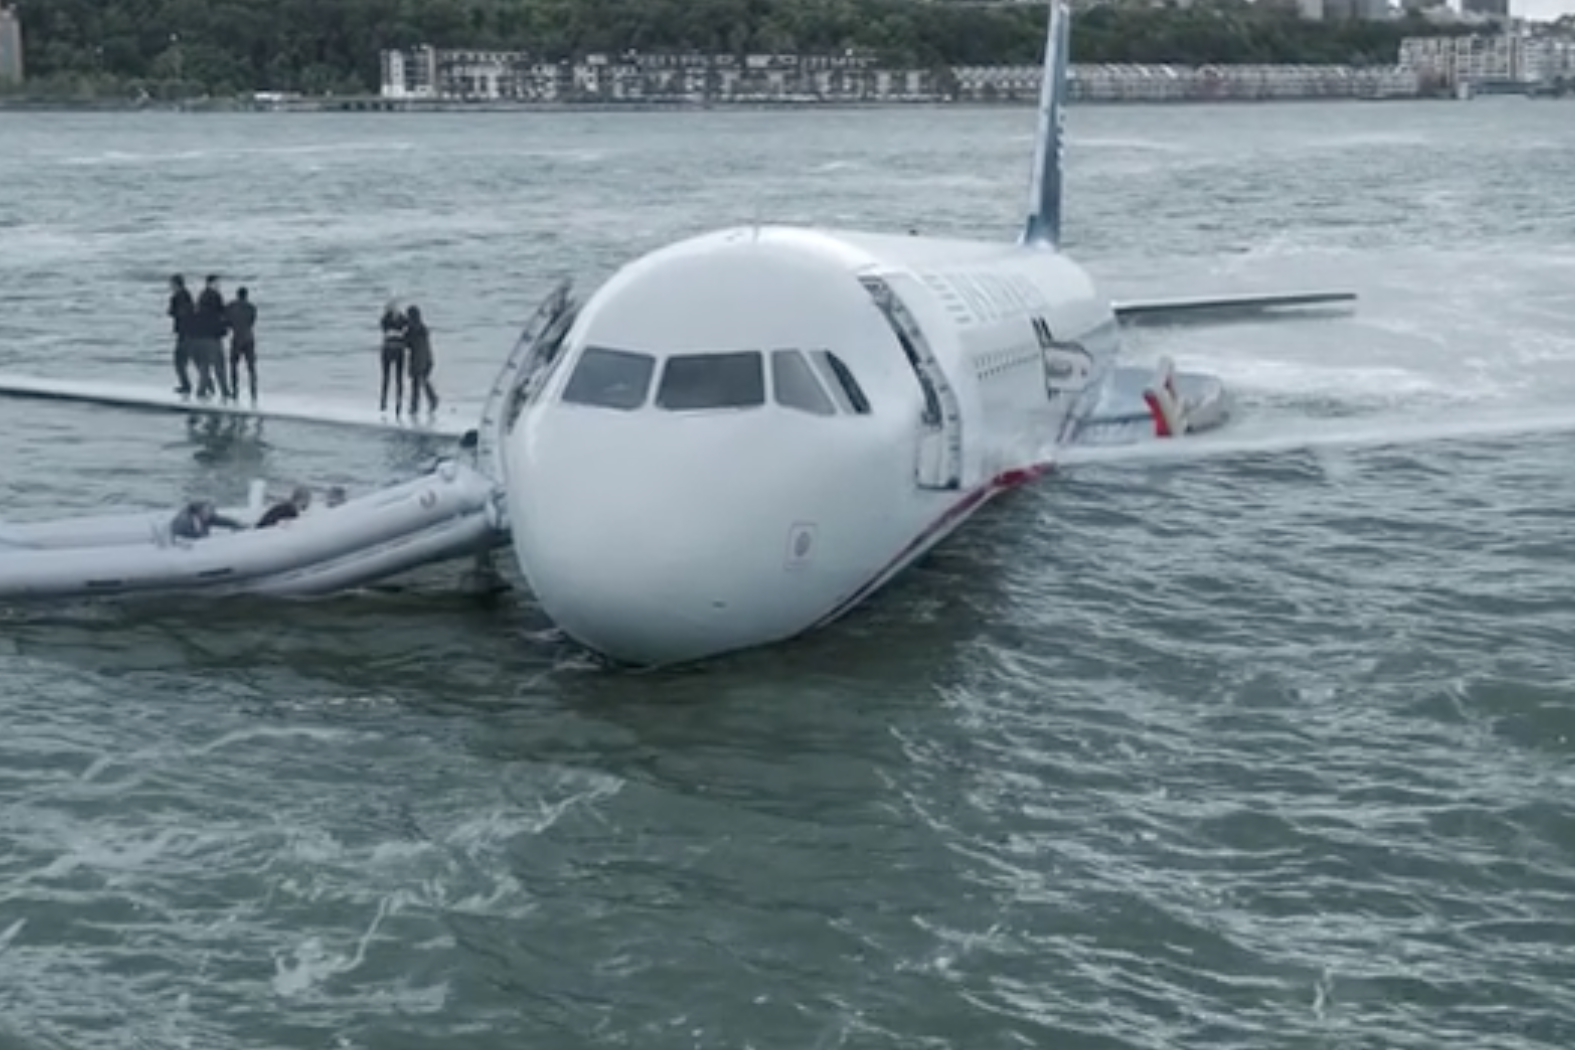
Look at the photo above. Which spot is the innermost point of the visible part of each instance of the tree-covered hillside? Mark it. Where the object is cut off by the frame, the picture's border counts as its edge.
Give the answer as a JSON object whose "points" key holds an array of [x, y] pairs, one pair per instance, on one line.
{"points": [[228, 46]]}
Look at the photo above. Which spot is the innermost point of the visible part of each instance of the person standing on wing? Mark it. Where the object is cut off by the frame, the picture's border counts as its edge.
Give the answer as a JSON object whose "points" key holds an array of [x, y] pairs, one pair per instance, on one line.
{"points": [[419, 339], [208, 344], [393, 326], [242, 318], [181, 311]]}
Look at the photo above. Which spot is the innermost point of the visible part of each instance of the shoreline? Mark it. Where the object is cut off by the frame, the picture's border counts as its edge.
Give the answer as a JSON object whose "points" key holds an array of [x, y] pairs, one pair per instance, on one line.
{"points": [[374, 104]]}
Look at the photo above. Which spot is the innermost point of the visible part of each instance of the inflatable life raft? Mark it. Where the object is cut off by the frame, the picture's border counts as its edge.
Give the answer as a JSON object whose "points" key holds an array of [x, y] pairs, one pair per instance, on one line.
{"points": [[448, 513]]}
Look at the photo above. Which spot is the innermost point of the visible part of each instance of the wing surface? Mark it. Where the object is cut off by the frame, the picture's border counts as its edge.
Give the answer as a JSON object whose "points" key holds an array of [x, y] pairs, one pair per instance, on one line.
{"points": [[450, 421], [1204, 307]]}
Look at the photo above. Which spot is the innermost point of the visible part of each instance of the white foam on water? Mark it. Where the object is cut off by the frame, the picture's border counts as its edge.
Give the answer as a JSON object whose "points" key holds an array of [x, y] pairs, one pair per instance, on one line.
{"points": [[1293, 436], [1118, 142], [1359, 140], [1439, 347], [160, 159], [311, 962]]}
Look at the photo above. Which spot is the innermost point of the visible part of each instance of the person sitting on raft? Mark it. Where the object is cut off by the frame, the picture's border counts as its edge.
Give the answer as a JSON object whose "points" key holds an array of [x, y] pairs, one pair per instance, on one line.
{"points": [[197, 519], [299, 500]]}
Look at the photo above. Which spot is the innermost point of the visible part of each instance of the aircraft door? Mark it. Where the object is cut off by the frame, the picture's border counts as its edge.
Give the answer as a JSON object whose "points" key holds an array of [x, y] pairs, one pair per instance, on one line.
{"points": [[940, 460], [528, 367], [1068, 367]]}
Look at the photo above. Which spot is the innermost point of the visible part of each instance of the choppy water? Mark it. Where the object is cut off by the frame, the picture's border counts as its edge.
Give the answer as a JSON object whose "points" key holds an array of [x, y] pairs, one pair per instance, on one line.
{"points": [[1271, 749]]}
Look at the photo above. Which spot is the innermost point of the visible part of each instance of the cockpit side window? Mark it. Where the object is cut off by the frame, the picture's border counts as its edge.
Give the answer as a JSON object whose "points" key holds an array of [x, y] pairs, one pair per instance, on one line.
{"points": [[794, 385], [610, 379], [694, 382], [844, 388]]}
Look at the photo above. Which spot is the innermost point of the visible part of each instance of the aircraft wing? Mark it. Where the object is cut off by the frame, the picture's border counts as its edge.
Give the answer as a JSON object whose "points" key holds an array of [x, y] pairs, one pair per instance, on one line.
{"points": [[451, 421], [1211, 306]]}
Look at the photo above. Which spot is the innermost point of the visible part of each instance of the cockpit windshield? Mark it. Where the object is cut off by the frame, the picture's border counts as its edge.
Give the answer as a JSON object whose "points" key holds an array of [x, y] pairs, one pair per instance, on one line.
{"points": [[817, 382], [850, 396], [795, 386], [694, 382], [610, 379]]}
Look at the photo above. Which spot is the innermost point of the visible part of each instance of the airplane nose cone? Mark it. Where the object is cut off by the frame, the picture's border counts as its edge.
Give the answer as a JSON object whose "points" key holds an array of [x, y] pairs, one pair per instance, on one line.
{"points": [[669, 552], [621, 587]]}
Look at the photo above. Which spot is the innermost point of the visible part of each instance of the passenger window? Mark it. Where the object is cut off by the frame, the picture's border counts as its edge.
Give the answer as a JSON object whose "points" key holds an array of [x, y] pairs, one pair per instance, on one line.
{"points": [[795, 385], [701, 381], [844, 388], [610, 379]]}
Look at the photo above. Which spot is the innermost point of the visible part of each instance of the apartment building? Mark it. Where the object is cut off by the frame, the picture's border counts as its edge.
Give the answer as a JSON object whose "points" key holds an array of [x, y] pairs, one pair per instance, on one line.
{"points": [[487, 76], [11, 68], [1140, 83], [1512, 56], [1494, 8]]}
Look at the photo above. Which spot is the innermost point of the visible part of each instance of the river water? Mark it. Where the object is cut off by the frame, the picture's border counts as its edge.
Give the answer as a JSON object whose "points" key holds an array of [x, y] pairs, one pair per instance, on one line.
{"points": [[1261, 749]]}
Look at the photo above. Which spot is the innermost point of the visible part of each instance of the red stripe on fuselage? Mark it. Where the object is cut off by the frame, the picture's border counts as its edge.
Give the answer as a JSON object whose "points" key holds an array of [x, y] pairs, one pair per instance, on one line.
{"points": [[1007, 479], [1157, 413]]}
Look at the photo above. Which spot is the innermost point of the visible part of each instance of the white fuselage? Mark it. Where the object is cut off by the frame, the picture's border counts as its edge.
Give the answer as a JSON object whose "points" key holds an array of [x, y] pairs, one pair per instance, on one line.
{"points": [[735, 443]]}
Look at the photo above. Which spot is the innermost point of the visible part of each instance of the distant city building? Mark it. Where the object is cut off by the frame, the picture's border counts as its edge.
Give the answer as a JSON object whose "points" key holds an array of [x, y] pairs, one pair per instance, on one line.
{"points": [[1365, 10], [1515, 56], [1076, 5], [494, 76], [1493, 8], [411, 75], [486, 76], [1118, 83], [11, 70]]}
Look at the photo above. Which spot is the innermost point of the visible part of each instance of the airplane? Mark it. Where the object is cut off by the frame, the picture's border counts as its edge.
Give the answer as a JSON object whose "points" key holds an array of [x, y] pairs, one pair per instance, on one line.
{"points": [[740, 437]]}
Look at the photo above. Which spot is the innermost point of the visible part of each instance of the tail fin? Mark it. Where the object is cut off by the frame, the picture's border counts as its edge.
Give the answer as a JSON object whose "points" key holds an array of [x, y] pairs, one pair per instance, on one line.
{"points": [[1044, 202]]}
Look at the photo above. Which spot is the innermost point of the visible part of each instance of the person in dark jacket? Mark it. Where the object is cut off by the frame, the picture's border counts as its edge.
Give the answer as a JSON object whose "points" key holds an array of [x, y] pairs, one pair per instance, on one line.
{"points": [[208, 343], [393, 326], [196, 520], [242, 318], [181, 310], [419, 339], [291, 508]]}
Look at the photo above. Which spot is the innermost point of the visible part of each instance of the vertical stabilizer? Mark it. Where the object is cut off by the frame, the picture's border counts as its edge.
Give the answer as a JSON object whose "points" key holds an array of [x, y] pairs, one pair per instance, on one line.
{"points": [[1044, 201]]}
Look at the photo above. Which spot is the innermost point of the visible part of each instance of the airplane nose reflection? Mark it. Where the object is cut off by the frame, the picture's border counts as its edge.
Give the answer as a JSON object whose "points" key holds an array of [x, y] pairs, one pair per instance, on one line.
{"points": [[666, 555]]}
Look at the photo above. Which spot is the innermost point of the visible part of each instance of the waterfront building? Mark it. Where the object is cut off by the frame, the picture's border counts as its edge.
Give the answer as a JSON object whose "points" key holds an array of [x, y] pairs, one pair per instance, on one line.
{"points": [[1493, 8], [491, 76], [498, 76], [1513, 57], [11, 68], [1158, 83]]}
